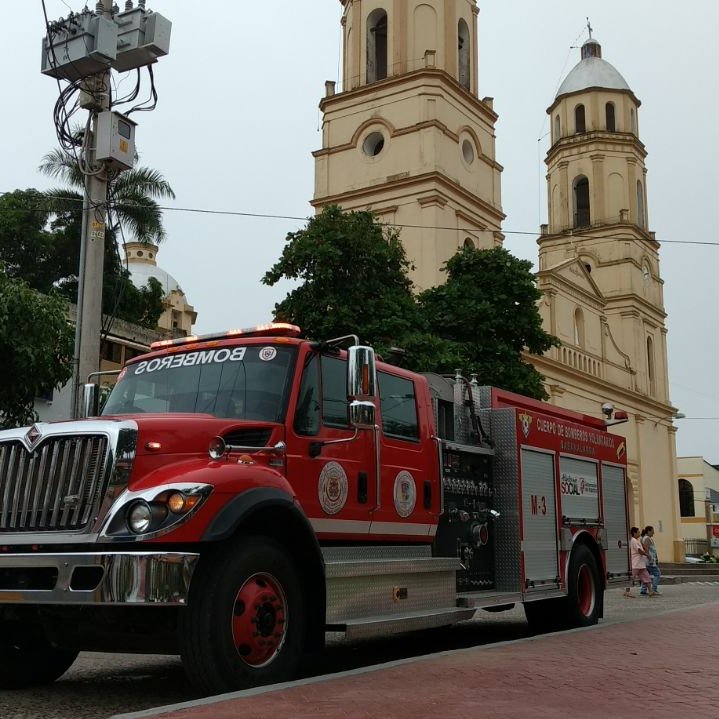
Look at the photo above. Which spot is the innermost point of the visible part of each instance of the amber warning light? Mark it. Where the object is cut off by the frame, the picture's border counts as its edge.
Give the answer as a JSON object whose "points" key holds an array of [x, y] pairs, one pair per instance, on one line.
{"points": [[273, 329]]}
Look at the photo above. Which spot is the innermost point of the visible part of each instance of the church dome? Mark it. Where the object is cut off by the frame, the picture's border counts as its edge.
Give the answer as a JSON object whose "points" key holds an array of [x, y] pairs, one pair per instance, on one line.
{"points": [[592, 71], [142, 264], [141, 273]]}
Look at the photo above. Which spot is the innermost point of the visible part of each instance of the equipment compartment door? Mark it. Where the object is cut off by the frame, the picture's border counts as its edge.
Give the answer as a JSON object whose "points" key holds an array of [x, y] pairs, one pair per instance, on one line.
{"points": [[539, 520], [615, 521]]}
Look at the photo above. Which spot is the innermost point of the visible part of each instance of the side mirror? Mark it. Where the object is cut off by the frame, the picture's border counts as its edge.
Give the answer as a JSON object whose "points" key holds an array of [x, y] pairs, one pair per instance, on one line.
{"points": [[90, 400], [362, 415], [361, 373]]}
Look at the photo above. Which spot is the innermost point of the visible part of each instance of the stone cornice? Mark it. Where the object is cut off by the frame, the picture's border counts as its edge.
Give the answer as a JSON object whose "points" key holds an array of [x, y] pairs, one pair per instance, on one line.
{"points": [[421, 78], [464, 198], [607, 141]]}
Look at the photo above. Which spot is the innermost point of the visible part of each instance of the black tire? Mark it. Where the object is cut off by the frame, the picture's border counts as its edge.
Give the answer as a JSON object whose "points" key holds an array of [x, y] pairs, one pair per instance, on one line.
{"points": [[244, 624], [28, 659], [584, 589]]}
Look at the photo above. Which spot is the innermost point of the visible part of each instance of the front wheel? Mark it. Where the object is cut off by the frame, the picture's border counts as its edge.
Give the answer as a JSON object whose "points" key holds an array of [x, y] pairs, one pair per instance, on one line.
{"points": [[584, 591], [28, 659], [244, 623]]}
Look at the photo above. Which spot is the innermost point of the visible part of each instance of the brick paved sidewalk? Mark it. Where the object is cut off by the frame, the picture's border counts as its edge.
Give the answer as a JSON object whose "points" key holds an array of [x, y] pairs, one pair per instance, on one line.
{"points": [[663, 666]]}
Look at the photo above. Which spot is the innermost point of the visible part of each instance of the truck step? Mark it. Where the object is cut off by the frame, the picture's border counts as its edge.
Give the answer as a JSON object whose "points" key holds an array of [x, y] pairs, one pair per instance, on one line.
{"points": [[383, 625]]}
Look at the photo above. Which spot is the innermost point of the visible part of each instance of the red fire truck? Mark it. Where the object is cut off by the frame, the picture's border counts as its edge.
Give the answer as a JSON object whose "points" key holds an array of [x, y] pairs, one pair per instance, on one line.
{"points": [[242, 494]]}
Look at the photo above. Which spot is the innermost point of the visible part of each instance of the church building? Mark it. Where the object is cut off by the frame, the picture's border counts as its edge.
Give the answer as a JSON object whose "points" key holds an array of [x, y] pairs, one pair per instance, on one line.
{"points": [[407, 136]]}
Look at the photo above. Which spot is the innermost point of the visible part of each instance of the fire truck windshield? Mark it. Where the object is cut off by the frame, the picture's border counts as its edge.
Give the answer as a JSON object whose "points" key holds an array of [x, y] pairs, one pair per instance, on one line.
{"points": [[248, 382]]}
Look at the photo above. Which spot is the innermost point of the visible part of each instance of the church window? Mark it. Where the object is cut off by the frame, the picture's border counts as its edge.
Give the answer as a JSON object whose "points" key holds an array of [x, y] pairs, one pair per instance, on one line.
{"points": [[579, 339], [650, 364], [465, 56], [581, 202], [557, 128], [641, 220], [377, 46], [468, 152], [373, 144], [580, 123], [611, 120], [686, 498], [633, 120], [469, 243]]}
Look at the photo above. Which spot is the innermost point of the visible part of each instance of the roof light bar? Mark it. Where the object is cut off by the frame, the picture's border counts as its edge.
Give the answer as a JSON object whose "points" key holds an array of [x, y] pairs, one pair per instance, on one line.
{"points": [[274, 329]]}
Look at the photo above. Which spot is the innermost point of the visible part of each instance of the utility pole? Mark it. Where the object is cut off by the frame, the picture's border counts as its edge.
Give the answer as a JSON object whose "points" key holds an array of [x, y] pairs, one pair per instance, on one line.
{"points": [[83, 49], [88, 325]]}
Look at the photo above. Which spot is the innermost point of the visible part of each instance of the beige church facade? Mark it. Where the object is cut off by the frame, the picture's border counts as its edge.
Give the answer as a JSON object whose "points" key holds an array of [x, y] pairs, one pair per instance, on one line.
{"points": [[408, 136]]}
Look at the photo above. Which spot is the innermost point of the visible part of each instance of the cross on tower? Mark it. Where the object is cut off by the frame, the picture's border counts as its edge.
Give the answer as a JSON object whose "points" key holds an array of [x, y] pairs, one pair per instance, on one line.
{"points": [[589, 27]]}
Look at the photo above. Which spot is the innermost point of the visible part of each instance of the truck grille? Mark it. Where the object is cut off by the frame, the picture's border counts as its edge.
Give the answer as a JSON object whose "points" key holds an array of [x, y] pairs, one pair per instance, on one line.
{"points": [[57, 487]]}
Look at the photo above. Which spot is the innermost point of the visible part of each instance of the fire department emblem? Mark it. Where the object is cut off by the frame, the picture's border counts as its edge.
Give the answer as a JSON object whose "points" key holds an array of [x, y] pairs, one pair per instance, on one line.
{"points": [[525, 420], [405, 493], [332, 488]]}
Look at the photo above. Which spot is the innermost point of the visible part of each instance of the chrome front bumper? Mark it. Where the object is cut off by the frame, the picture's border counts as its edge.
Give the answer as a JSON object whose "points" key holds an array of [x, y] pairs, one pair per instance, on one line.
{"points": [[120, 578]]}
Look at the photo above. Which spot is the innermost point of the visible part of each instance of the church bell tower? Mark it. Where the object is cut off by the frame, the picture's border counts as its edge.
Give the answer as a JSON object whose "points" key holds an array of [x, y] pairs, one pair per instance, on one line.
{"points": [[406, 134], [600, 276]]}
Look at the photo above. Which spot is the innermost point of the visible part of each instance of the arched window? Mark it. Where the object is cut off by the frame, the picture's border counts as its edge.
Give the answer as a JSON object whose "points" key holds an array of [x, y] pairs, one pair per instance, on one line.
{"points": [[580, 123], [469, 243], [611, 120], [579, 327], [641, 219], [377, 45], [557, 128], [465, 55], [582, 213], [650, 364], [686, 498]]}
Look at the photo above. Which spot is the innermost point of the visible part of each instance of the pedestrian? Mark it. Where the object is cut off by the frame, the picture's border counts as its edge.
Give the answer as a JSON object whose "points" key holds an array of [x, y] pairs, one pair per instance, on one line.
{"points": [[639, 561], [652, 559]]}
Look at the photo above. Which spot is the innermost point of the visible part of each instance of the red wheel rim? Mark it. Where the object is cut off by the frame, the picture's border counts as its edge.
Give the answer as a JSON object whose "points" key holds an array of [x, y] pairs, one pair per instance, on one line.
{"points": [[585, 590], [259, 620]]}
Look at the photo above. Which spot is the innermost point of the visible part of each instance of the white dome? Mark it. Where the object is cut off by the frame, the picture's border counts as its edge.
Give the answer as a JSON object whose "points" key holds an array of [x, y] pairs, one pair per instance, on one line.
{"points": [[592, 71], [140, 273]]}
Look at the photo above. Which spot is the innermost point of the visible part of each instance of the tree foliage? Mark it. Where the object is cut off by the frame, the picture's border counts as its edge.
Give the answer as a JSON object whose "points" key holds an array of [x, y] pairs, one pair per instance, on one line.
{"points": [[40, 244], [353, 275], [353, 280], [134, 214], [487, 313], [36, 348]]}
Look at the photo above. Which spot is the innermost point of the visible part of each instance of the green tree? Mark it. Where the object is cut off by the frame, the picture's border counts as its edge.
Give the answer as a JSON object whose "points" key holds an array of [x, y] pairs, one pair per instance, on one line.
{"points": [[36, 348], [353, 275], [487, 315], [32, 247], [135, 215]]}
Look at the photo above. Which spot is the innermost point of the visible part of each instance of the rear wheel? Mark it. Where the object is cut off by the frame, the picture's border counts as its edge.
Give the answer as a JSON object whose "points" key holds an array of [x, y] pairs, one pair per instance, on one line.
{"points": [[28, 659], [244, 623], [584, 595]]}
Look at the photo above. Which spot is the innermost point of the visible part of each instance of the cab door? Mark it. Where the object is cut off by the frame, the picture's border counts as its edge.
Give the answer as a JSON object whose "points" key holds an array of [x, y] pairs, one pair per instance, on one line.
{"points": [[334, 480], [407, 509]]}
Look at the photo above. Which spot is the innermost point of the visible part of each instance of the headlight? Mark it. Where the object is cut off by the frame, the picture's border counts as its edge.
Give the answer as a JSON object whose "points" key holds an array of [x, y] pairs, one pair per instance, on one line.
{"points": [[139, 517]]}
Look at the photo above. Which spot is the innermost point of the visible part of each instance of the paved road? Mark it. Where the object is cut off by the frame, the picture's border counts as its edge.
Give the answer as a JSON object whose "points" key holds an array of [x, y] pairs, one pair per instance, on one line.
{"points": [[101, 685]]}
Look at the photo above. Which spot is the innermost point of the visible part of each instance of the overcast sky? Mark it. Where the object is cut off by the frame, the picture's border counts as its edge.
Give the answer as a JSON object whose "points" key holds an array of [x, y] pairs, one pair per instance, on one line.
{"points": [[238, 118]]}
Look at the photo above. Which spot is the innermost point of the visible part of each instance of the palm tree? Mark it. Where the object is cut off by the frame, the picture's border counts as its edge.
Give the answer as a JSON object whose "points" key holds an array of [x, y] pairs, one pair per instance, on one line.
{"points": [[134, 215], [132, 196]]}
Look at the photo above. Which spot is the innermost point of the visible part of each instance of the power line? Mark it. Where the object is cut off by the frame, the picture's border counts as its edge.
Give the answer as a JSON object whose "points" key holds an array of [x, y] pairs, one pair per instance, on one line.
{"points": [[271, 216]]}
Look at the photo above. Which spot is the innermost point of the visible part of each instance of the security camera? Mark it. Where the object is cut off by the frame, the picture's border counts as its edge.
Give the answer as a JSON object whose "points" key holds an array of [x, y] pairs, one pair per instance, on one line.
{"points": [[608, 410]]}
